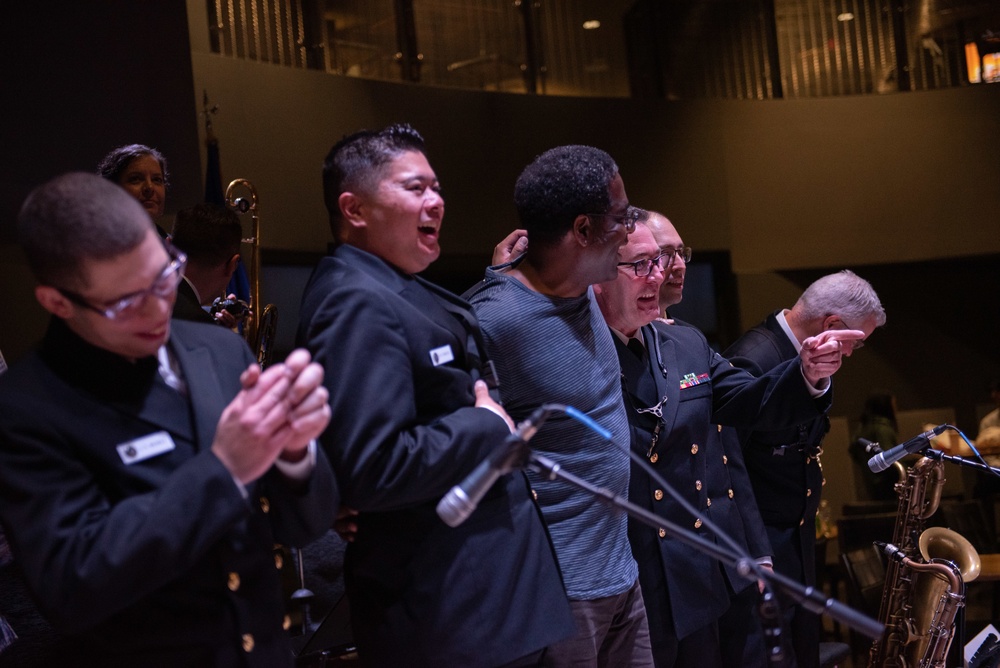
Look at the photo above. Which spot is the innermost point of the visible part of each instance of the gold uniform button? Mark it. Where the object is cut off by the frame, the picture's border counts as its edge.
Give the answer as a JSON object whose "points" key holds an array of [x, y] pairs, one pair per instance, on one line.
{"points": [[808, 459], [697, 523], [802, 521], [720, 428], [279, 560], [725, 460], [534, 495], [708, 503], [265, 504], [663, 533], [823, 484], [809, 492], [697, 485], [658, 495], [653, 457], [234, 581], [694, 448], [731, 495], [286, 623], [248, 642]]}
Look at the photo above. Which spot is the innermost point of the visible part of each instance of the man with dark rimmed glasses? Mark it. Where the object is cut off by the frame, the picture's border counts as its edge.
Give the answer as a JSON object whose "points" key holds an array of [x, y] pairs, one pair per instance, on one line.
{"points": [[550, 344], [148, 466], [677, 391]]}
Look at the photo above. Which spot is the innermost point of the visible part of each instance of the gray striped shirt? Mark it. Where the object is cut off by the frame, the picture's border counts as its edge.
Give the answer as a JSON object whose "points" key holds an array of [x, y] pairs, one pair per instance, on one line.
{"points": [[559, 350]]}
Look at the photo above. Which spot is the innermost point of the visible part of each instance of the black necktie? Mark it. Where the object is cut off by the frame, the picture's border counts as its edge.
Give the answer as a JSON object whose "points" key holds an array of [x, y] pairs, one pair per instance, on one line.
{"points": [[637, 348]]}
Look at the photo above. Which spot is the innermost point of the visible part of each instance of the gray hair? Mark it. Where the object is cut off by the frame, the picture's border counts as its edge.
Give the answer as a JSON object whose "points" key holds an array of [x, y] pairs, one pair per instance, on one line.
{"points": [[844, 294]]}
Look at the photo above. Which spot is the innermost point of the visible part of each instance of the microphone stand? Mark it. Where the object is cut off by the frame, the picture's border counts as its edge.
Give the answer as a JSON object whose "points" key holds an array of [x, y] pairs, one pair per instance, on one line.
{"points": [[941, 456], [808, 597]]}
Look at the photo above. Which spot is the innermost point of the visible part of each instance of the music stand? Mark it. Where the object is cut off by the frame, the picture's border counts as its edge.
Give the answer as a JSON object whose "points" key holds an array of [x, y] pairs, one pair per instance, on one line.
{"points": [[333, 636]]}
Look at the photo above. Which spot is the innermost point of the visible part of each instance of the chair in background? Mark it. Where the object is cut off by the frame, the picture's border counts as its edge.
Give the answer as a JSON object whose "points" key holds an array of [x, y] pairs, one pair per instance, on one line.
{"points": [[969, 519], [854, 508], [857, 531]]}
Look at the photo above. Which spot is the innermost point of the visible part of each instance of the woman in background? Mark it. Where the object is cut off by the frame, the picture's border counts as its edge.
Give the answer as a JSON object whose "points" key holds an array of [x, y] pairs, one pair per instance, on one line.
{"points": [[142, 171], [878, 425]]}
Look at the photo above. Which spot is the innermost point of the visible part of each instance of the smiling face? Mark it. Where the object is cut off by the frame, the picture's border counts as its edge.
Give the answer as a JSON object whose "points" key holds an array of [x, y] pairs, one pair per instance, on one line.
{"points": [[136, 334], [144, 180], [628, 302], [667, 238], [402, 217], [599, 261]]}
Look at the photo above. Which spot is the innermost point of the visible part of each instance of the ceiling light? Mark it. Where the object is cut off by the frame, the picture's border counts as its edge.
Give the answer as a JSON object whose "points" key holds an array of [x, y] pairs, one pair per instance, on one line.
{"points": [[846, 16], [593, 24]]}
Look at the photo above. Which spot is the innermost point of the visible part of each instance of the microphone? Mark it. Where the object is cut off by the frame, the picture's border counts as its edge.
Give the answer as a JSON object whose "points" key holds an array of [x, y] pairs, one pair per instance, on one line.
{"points": [[456, 506], [884, 460], [871, 447]]}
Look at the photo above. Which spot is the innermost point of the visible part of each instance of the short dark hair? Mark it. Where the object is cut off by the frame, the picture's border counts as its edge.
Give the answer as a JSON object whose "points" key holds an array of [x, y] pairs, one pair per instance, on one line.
{"points": [[208, 233], [117, 161], [357, 162], [558, 186], [74, 218]]}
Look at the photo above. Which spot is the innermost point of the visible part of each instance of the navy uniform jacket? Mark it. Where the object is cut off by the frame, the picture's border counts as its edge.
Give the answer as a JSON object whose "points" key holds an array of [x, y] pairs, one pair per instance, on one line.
{"points": [[187, 306], [783, 464], [702, 389], [402, 356], [155, 560]]}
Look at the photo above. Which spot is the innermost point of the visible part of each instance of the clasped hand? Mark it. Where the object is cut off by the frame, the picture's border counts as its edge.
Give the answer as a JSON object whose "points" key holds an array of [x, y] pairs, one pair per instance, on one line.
{"points": [[822, 355], [276, 414]]}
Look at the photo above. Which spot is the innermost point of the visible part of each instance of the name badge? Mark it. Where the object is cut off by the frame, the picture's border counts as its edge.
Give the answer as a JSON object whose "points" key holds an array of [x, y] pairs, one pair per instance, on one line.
{"points": [[442, 355], [145, 447]]}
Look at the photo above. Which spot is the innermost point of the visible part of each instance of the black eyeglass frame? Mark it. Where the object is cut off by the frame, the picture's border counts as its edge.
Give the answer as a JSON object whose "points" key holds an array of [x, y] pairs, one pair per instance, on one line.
{"points": [[648, 263], [684, 252], [632, 216]]}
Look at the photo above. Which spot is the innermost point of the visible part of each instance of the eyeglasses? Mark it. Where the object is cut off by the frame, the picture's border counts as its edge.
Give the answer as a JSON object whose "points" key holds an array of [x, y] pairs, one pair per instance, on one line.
{"points": [[128, 306], [856, 344], [684, 253], [643, 268], [628, 220]]}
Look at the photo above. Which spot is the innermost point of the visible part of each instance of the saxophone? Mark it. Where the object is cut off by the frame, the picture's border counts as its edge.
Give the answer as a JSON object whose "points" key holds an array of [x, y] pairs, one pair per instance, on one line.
{"points": [[924, 578]]}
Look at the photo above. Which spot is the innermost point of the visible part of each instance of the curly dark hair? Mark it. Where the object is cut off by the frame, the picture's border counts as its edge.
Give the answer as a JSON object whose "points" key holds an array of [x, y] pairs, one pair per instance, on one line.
{"points": [[357, 162], [117, 161], [558, 186]]}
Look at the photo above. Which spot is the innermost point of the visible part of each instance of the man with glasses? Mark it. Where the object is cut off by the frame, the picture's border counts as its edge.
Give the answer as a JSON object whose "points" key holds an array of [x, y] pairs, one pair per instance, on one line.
{"points": [[546, 335], [784, 464], [675, 260], [148, 466], [676, 390]]}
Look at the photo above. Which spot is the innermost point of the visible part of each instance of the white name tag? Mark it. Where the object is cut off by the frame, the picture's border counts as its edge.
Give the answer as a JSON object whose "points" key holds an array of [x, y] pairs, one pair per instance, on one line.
{"points": [[442, 355], [145, 447]]}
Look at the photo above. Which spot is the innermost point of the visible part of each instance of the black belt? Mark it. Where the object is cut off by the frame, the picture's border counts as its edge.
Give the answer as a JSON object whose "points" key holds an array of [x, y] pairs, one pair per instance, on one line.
{"points": [[807, 450]]}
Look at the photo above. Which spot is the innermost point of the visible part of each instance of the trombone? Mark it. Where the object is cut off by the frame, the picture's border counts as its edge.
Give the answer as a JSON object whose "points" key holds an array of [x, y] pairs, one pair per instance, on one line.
{"points": [[260, 329]]}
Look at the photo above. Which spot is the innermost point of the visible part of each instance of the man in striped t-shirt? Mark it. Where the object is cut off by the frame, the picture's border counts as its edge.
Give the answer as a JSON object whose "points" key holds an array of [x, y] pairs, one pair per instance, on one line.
{"points": [[549, 342]]}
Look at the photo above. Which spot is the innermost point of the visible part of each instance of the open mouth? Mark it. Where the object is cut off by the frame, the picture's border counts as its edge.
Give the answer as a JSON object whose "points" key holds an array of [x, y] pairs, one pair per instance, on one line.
{"points": [[429, 231]]}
